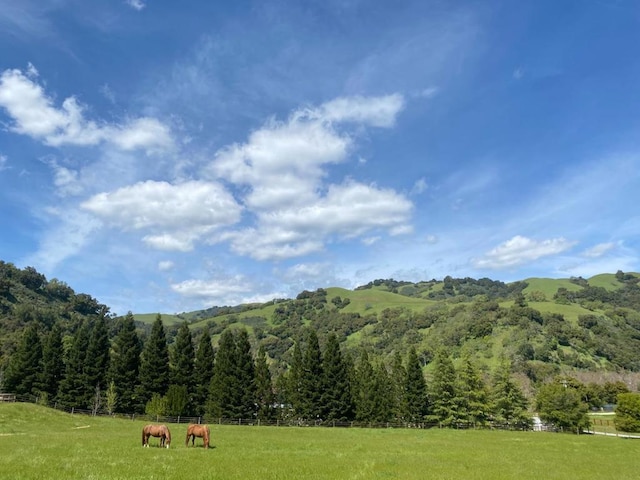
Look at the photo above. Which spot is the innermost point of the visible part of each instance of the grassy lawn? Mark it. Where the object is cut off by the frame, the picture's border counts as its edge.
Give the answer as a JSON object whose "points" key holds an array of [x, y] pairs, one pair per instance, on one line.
{"points": [[39, 443]]}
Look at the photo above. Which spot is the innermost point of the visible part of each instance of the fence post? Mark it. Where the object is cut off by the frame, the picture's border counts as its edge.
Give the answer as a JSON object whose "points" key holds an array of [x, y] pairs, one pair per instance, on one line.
{"points": [[178, 419]]}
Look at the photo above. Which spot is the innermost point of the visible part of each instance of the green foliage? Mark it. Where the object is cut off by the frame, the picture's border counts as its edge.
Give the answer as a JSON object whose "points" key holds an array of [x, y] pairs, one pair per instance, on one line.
{"points": [[203, 370], [628, 412], [177, 400], [509, 405], [125, 364], [442, 392], [156, 405], [336, 396], [52, 362], [73, 390], [264, 387], [23, 372], [154, 363], [560, 405], [415, 389]]}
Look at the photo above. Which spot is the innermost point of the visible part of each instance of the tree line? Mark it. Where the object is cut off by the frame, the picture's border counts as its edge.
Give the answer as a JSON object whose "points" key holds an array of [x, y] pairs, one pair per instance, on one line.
{"points": [[124, 374]]}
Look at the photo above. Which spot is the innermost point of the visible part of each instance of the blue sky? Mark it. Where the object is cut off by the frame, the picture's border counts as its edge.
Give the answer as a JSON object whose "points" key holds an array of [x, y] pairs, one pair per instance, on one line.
{"points": [[169, 156]]}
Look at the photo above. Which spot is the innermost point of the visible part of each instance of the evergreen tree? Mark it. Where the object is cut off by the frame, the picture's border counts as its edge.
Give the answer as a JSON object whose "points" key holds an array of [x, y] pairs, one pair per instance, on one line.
{"points": [[365, 398], [245, 377], [415, 389], [398, 383], [294, 381], [224, 391], [96, 366], [52, 362], [22, 375], [182, 365], [203, 371], [509, 404], [472, 396], [154, 363], [442, 391], [336, 396], [311, 381], [264, 387], [383, 394], [73, 389], [125, 364]]}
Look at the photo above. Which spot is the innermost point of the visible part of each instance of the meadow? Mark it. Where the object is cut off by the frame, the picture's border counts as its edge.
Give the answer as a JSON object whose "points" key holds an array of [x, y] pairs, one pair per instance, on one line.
{"points": [[41, 443]]}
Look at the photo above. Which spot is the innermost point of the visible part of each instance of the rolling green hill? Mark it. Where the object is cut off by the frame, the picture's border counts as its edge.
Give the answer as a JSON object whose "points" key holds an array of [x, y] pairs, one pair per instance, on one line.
{"points": [[543, 326]]}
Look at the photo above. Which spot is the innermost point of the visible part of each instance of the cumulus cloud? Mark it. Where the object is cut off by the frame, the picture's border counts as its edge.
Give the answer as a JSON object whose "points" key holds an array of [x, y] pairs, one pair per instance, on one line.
{"points": [[176, 215], [284, 164], [34, 114], [520, 250], [227, 290]]}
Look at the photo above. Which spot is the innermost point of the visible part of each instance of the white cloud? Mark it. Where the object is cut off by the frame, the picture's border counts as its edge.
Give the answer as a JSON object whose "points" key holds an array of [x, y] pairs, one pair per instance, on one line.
{"points": [[177, 215], [136, 4], [166, 265], [283, 164], [521, 250], [374, 111], [598, 250], [34, 114], [3, 162], [227, 290]]}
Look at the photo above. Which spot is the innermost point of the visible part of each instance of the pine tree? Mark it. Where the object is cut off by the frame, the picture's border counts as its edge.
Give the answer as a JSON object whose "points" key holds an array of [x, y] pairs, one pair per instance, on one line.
{"points": [[154, 363], [73, 389], [182, 365], [472, 396], [125, 364], [336, 399], [245, 377], [383, 394], [97, 360], [22, 375], [311, 381], [508, 402], [365, 387], [264, 387], [52, 362], [294, 381], [224, 391], [203, 371], [442, 391], [398, 384], [415, 389]]}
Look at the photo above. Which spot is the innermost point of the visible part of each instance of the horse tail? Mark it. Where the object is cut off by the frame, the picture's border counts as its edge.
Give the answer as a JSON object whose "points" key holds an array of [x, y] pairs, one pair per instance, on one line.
{"points": [[168, 434], [143, 436]]}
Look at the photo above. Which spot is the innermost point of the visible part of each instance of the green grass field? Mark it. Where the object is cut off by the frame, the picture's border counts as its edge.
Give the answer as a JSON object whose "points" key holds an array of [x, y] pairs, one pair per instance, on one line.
{"points": [[40, 443]]}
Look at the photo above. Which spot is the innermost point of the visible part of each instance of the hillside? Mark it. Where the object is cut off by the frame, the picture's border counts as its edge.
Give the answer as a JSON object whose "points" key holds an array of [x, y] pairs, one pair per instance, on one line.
{"points": [[543, 326]]}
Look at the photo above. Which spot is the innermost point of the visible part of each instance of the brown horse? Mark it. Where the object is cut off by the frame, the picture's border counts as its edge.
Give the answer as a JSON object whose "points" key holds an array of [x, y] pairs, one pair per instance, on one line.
{"points": [[202, 431], [156, 431]]}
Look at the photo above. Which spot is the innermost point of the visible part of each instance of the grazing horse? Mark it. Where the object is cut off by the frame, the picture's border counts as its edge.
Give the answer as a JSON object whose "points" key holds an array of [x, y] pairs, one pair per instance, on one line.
{"points": [[194, 430], [156, 431]]}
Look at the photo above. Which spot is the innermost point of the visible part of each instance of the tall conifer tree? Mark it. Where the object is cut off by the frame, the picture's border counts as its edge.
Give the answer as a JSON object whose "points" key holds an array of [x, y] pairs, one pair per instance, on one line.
{"points": [[182, 358], [471, 394], [52, 362], [365, 387], [311, 381], [97, 360], [264, 386], [72, 391], [203, 371], [154, 363], [224, 391], [125, 364], [245, 377], [336, 397], [23, 372], [398, 382], [442, 390], [508, 401], [415, 389]]}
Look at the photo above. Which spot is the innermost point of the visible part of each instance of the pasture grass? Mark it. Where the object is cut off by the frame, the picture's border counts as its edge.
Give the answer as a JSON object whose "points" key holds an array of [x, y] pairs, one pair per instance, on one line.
{"points": [[41, 443]]}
